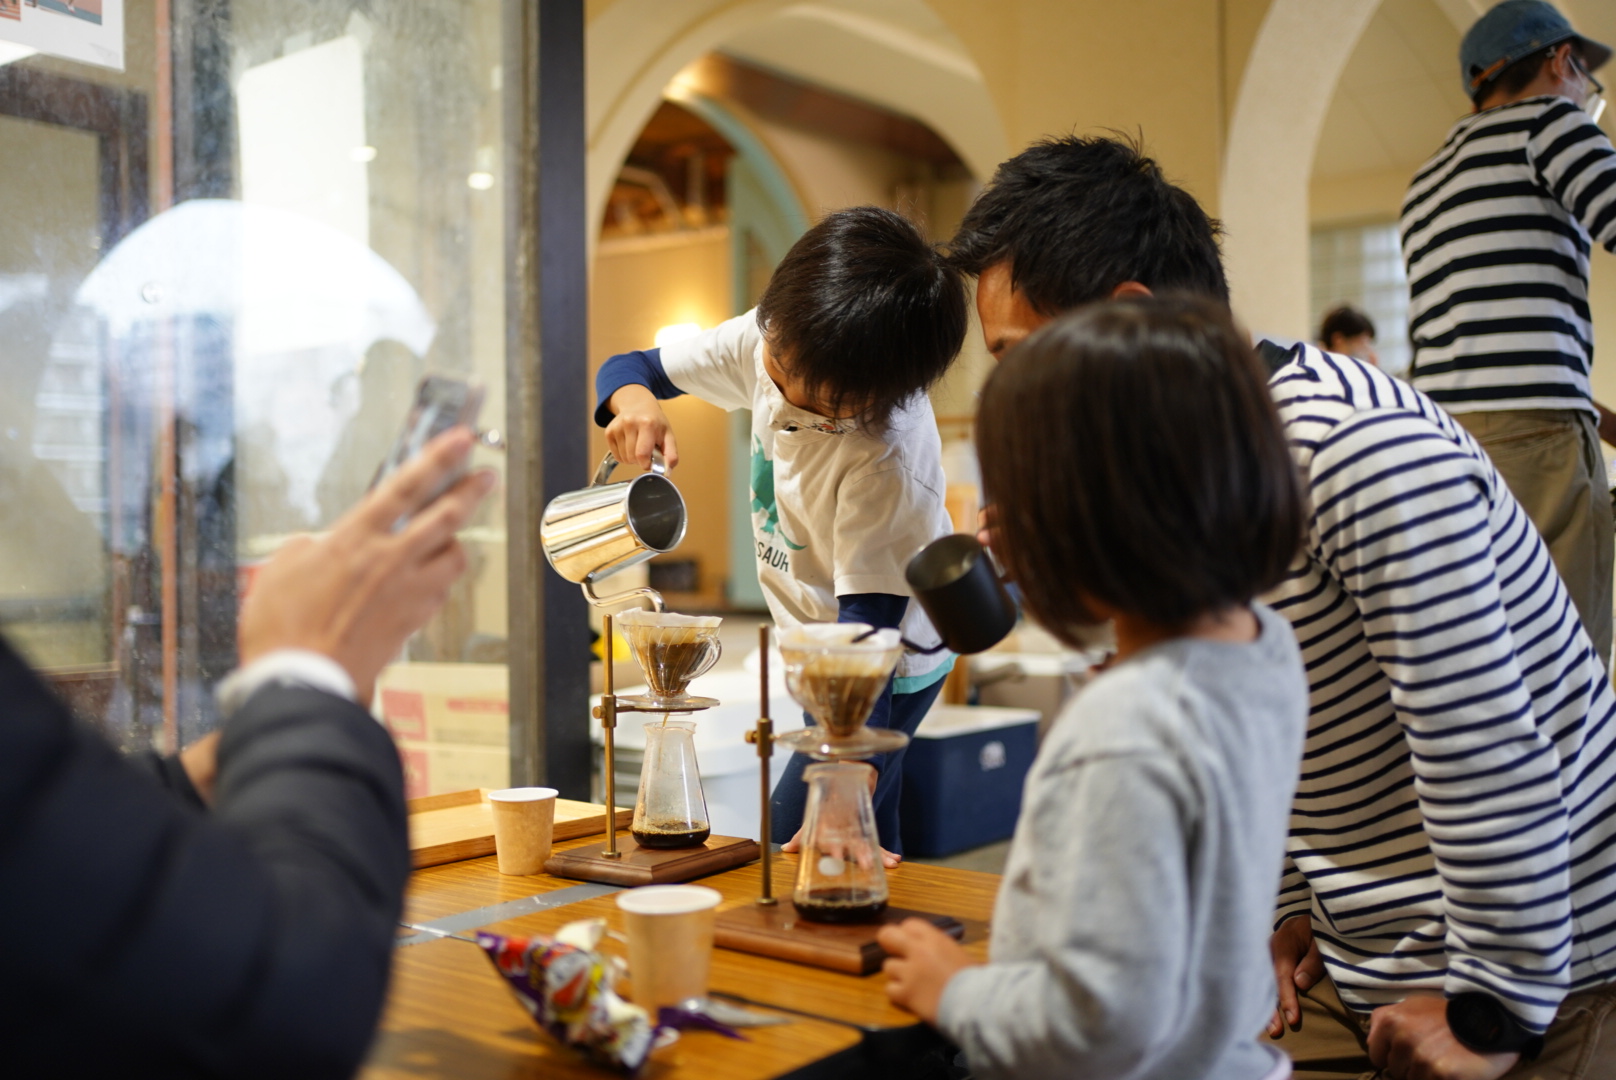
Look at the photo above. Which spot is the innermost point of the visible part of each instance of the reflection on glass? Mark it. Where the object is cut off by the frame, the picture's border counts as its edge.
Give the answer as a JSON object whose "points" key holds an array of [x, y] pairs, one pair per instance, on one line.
{"points": [[207, 352]]}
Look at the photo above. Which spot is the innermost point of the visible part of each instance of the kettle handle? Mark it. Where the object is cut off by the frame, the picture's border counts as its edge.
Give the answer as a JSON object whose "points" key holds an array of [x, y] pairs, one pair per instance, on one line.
{"points": [[609, 463]]}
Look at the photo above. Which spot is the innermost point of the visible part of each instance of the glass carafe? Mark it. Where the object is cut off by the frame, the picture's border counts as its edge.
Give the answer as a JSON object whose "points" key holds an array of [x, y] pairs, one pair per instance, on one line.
{"points": [[671, 811], [839, 877]]}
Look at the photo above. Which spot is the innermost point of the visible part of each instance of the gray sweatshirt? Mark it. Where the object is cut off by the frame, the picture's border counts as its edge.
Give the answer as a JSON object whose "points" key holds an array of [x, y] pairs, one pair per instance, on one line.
{"points": [[1130, 939]]}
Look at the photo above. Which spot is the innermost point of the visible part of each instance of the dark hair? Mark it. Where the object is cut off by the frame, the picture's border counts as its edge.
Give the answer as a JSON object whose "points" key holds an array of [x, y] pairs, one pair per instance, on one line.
{"points": [[1345, 320], [1075, 218], [864, 312], [1135, 457], [1514, 78]]}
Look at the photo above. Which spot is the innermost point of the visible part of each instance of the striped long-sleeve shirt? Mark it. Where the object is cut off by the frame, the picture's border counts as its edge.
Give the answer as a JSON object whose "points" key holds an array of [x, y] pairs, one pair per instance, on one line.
{"points": [[1496, 236], [1455, 824]]}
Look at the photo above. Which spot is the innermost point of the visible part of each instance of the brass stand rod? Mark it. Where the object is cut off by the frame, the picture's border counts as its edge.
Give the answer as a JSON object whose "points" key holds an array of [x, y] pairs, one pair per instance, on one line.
{"points": [[765, 743], [608, 721]]}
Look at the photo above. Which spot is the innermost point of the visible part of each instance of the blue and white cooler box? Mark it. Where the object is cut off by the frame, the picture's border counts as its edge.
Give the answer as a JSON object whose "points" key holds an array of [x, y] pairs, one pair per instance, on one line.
{"points": [[963, 775]]}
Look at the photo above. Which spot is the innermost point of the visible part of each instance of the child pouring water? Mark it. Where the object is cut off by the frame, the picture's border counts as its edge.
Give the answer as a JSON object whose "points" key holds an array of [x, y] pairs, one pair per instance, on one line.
{"points": [[860, 317], [1141, 477]]}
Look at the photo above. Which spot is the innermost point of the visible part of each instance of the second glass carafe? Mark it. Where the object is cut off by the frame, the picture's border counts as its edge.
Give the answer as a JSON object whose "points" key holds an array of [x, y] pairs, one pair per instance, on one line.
{"points": [[839, 877], [671, 811]]}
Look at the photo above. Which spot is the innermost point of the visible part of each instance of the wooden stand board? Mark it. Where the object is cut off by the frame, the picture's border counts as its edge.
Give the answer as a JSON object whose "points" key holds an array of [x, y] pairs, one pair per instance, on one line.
{"points": [[778, 931], [460, 825], [651, 866]]}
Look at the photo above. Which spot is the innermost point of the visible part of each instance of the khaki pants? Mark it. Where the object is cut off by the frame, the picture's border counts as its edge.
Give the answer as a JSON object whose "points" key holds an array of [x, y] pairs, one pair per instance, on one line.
{"points": [[1333, 1042], [1551, 460]]}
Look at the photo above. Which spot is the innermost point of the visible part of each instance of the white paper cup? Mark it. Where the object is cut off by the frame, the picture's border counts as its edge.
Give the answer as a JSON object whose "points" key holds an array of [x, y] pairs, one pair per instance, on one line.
{"points": [[670, 941], [524, 821]]}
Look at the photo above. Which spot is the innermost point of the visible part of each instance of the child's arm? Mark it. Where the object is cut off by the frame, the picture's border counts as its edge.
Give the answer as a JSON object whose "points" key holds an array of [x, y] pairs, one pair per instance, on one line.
{"points": [[716, 365], [628, 388], [884, 612]]}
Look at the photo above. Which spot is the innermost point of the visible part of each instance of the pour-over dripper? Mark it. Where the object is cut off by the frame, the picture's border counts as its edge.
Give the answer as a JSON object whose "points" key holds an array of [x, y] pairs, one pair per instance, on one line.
{"points": [[837, 672], [672, 650]]}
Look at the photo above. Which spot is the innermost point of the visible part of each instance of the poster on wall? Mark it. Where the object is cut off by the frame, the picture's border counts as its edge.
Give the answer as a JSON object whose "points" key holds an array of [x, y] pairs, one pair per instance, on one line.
{"points": [[86, 30]]}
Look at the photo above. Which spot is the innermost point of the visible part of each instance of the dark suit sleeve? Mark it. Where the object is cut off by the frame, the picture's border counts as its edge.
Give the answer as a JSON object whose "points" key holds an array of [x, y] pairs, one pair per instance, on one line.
{"points": [[167, 770], [140, 935]]}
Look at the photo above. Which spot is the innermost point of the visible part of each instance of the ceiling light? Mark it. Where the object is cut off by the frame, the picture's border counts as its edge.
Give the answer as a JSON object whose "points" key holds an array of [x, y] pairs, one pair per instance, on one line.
{"points": [[480, 181]]}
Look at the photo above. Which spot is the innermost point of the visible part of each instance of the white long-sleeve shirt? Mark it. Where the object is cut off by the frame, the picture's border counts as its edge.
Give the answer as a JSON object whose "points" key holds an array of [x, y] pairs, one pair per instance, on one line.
{"points": [[1455, 823]]}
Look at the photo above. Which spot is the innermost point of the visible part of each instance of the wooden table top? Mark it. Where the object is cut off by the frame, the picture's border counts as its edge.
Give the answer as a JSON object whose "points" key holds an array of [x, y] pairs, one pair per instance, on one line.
{"points": [[449, 1015]]}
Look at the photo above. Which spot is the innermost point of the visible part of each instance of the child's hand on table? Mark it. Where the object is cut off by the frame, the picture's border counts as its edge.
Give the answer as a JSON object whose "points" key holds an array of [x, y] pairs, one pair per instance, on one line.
{"points": [[639, 426], [794, 847], [921, 959]]}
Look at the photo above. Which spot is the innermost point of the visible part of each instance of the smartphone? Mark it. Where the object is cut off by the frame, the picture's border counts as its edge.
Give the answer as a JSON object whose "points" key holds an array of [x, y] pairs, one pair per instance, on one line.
{"points": [[441, 402]]}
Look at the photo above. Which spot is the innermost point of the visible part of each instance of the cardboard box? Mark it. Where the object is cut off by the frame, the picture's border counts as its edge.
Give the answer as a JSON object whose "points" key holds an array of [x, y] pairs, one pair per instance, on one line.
{"points": [[436, 768], [464, 704], [452, 724]]}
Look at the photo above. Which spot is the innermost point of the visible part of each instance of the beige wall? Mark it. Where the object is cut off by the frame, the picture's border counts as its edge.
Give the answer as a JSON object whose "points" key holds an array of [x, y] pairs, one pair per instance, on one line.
{"points": [[1186, 74], [1171, 71], [1168, 68], [1055, 66], [1602, 300], [640, 286]]}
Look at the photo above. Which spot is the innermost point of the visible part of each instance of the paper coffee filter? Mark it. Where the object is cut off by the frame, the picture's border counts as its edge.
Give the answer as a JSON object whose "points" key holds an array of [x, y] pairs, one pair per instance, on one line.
{"points": [[838, 636], [849, 665], [667, 618]]}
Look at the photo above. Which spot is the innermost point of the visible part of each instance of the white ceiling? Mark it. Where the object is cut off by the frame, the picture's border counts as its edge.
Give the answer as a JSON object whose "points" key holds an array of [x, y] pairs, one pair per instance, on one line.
{"points": [[893, 53], [1398, 96]]}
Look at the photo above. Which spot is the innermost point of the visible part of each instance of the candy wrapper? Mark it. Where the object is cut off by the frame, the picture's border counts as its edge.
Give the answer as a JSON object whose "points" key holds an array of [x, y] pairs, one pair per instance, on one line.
{"points": [[567, 986]]}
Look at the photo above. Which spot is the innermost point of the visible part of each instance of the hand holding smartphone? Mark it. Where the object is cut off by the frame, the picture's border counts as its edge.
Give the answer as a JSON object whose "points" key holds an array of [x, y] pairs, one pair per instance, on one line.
{"points": [[441, 402]]}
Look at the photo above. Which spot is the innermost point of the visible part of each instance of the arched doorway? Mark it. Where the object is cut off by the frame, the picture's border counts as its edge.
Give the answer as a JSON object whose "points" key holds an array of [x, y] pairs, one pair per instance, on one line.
{"points": [[772, 154], [895, 54], [1269, 156]]}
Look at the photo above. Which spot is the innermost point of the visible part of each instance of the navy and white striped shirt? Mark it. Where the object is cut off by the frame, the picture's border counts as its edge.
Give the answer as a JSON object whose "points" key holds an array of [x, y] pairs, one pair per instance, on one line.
{"points": [[1496, 236], [1455, 824]]}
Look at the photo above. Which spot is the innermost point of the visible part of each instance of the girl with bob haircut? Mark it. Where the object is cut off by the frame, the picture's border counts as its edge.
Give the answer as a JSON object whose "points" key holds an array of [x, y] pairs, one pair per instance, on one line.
{"points": [[1140, 476]]}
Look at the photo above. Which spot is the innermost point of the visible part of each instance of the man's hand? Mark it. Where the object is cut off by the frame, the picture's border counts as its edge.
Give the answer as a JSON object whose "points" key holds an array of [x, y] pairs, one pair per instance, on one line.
{"points": [[1412, 1041], [921, 960], [356, 593], [200, 761], [1297, 966], [640, 426]]}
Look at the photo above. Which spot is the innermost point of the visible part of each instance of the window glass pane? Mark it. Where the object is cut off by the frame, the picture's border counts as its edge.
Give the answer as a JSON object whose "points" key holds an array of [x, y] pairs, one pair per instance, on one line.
{"points": [[239, 256], [1362, 265]]}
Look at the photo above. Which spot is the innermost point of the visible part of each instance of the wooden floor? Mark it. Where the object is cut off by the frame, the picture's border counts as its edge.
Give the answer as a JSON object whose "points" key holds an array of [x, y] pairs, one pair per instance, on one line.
{"points": [[448, 1015]]}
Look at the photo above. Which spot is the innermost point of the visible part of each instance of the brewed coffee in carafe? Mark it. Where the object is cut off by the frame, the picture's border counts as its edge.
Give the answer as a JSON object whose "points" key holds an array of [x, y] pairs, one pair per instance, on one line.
{"points": [[837, 672], [839, 877], [671, 811]]}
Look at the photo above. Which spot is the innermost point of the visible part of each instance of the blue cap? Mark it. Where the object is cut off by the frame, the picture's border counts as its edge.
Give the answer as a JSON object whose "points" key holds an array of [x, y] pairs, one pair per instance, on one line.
{"points": [[1513, 31]]}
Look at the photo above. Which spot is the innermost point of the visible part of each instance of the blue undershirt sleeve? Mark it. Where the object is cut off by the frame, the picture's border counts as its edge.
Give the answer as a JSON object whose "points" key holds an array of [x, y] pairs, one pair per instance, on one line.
{"points": [[883, 611], [642, 367]]}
